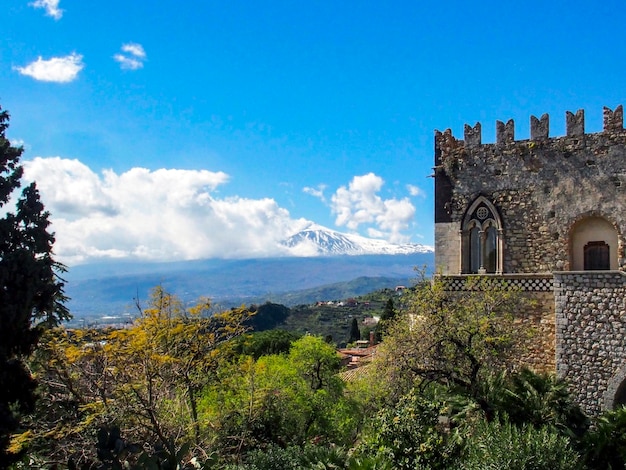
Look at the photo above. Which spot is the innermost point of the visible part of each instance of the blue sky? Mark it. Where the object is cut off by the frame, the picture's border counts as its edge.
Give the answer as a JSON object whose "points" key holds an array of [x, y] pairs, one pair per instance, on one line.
{"points": [[177, 130]]}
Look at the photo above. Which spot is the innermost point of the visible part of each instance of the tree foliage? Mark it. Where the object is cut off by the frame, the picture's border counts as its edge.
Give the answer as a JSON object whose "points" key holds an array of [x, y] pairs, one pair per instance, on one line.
{"points": [[263, 343], [604, 445], [280, 399], [31, 292], [387, 318], [537, 399], [410, 435], [355, 333], [144, 380], [453, 338]]}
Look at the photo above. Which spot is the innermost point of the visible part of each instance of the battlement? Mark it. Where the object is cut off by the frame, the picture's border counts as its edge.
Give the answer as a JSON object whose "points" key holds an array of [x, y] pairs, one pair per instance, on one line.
{"points": [[539, 130]]}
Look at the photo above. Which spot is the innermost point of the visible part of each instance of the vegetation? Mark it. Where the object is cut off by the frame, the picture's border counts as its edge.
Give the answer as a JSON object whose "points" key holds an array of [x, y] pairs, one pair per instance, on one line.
{"points": [[184, 387], [31, 292], [145, 380], [334, 317]]}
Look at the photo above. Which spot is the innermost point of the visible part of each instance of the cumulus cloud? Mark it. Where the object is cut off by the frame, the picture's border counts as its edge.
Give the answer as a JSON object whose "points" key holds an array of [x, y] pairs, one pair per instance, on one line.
{"points": [[128, 63], [317, 192], [58, 69], [132, 57], [415, 191], [359, 204], [51, 7], [165, 214], [134, 49]]}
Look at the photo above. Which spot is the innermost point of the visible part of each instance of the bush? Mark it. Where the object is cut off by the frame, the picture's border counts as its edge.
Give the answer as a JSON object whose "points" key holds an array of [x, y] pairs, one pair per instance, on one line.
{"points": [[605, 445], [526, 397], [413, 434], [295, 458], [496, 445]]}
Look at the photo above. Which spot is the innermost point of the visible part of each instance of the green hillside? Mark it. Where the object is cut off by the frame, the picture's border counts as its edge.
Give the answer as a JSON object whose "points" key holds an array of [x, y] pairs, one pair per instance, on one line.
{"points": [[330, 316]]}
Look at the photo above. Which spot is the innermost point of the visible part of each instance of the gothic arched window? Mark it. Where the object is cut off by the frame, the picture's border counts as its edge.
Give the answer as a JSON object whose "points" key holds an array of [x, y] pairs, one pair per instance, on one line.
{"points": [[481, 238]]}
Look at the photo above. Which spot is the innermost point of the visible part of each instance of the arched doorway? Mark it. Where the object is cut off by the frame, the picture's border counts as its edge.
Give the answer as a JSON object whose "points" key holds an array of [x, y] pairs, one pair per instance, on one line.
{"points": [[620, 395], [615, 392], [593, 245]]}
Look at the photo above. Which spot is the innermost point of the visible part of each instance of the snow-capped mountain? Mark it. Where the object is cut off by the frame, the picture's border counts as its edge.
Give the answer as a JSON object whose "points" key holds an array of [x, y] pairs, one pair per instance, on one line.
{"points": [[319, 241]]}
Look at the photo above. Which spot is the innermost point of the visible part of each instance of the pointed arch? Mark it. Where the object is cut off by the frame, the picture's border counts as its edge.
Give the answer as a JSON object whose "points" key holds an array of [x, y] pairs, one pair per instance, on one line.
{"points": [[481, 238]]}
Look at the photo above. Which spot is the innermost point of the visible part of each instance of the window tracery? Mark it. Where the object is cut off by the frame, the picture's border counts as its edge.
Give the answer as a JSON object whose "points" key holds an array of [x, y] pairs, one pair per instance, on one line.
{"points": [[481, 238]]}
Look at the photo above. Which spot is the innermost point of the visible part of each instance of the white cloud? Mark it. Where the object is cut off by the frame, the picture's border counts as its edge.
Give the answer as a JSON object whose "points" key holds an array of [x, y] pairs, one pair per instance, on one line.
{"points": [[415, 191], [133, 56], [316, 192], [153, 215], [58, 69], [128, 63], [51, 7], [359, 204], [134, 49]]}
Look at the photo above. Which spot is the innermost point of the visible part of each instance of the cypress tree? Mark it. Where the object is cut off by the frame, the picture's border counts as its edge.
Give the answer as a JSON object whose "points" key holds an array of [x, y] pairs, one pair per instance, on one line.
{"points": [[31, 291], [355, 333]]}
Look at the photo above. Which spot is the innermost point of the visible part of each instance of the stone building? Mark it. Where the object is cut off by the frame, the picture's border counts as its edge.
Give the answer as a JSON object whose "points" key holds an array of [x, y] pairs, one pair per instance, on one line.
{"points": [[549, 215]]}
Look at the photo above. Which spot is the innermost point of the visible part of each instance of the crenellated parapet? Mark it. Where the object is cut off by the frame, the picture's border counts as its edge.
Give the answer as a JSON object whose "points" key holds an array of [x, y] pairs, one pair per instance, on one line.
{"points": [[505, 133], [539, 130], [542, 184], [613, 120]]}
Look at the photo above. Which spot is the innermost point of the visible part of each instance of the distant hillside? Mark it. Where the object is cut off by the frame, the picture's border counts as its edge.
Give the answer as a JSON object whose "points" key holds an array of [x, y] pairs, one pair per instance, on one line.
{"points": [[340, 290], [109, 289], [330, 319]]}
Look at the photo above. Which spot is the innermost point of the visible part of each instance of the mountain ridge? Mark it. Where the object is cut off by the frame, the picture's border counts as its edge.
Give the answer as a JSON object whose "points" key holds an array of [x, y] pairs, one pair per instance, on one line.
{"points": [[317, 240], [229, 282], [113, 288]]}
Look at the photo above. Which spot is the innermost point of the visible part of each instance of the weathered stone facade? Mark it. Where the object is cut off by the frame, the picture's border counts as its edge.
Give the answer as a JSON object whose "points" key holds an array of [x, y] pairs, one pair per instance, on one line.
{"points": [[591, 327], [546, 206]]}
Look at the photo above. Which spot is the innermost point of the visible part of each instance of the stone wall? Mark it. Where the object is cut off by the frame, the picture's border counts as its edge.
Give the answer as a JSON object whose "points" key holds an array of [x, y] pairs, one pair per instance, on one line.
{"points": [[590, 309], [539, 349], [448, 252], [541, 186]]}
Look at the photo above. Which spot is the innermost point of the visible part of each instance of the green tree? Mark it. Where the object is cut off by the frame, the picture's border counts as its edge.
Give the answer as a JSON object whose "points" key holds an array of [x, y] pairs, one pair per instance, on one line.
{"points": [[141, 383], [386, 319], [263, 343], [410, 434], [159, 366], [355, 333], [31, 292], [317, 362], [528, 398], [454, 338], [280, 399]]}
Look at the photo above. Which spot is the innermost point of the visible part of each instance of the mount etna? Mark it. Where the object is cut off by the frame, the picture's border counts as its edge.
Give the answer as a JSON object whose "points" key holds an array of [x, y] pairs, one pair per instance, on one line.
{"points": [[332, 264]]}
